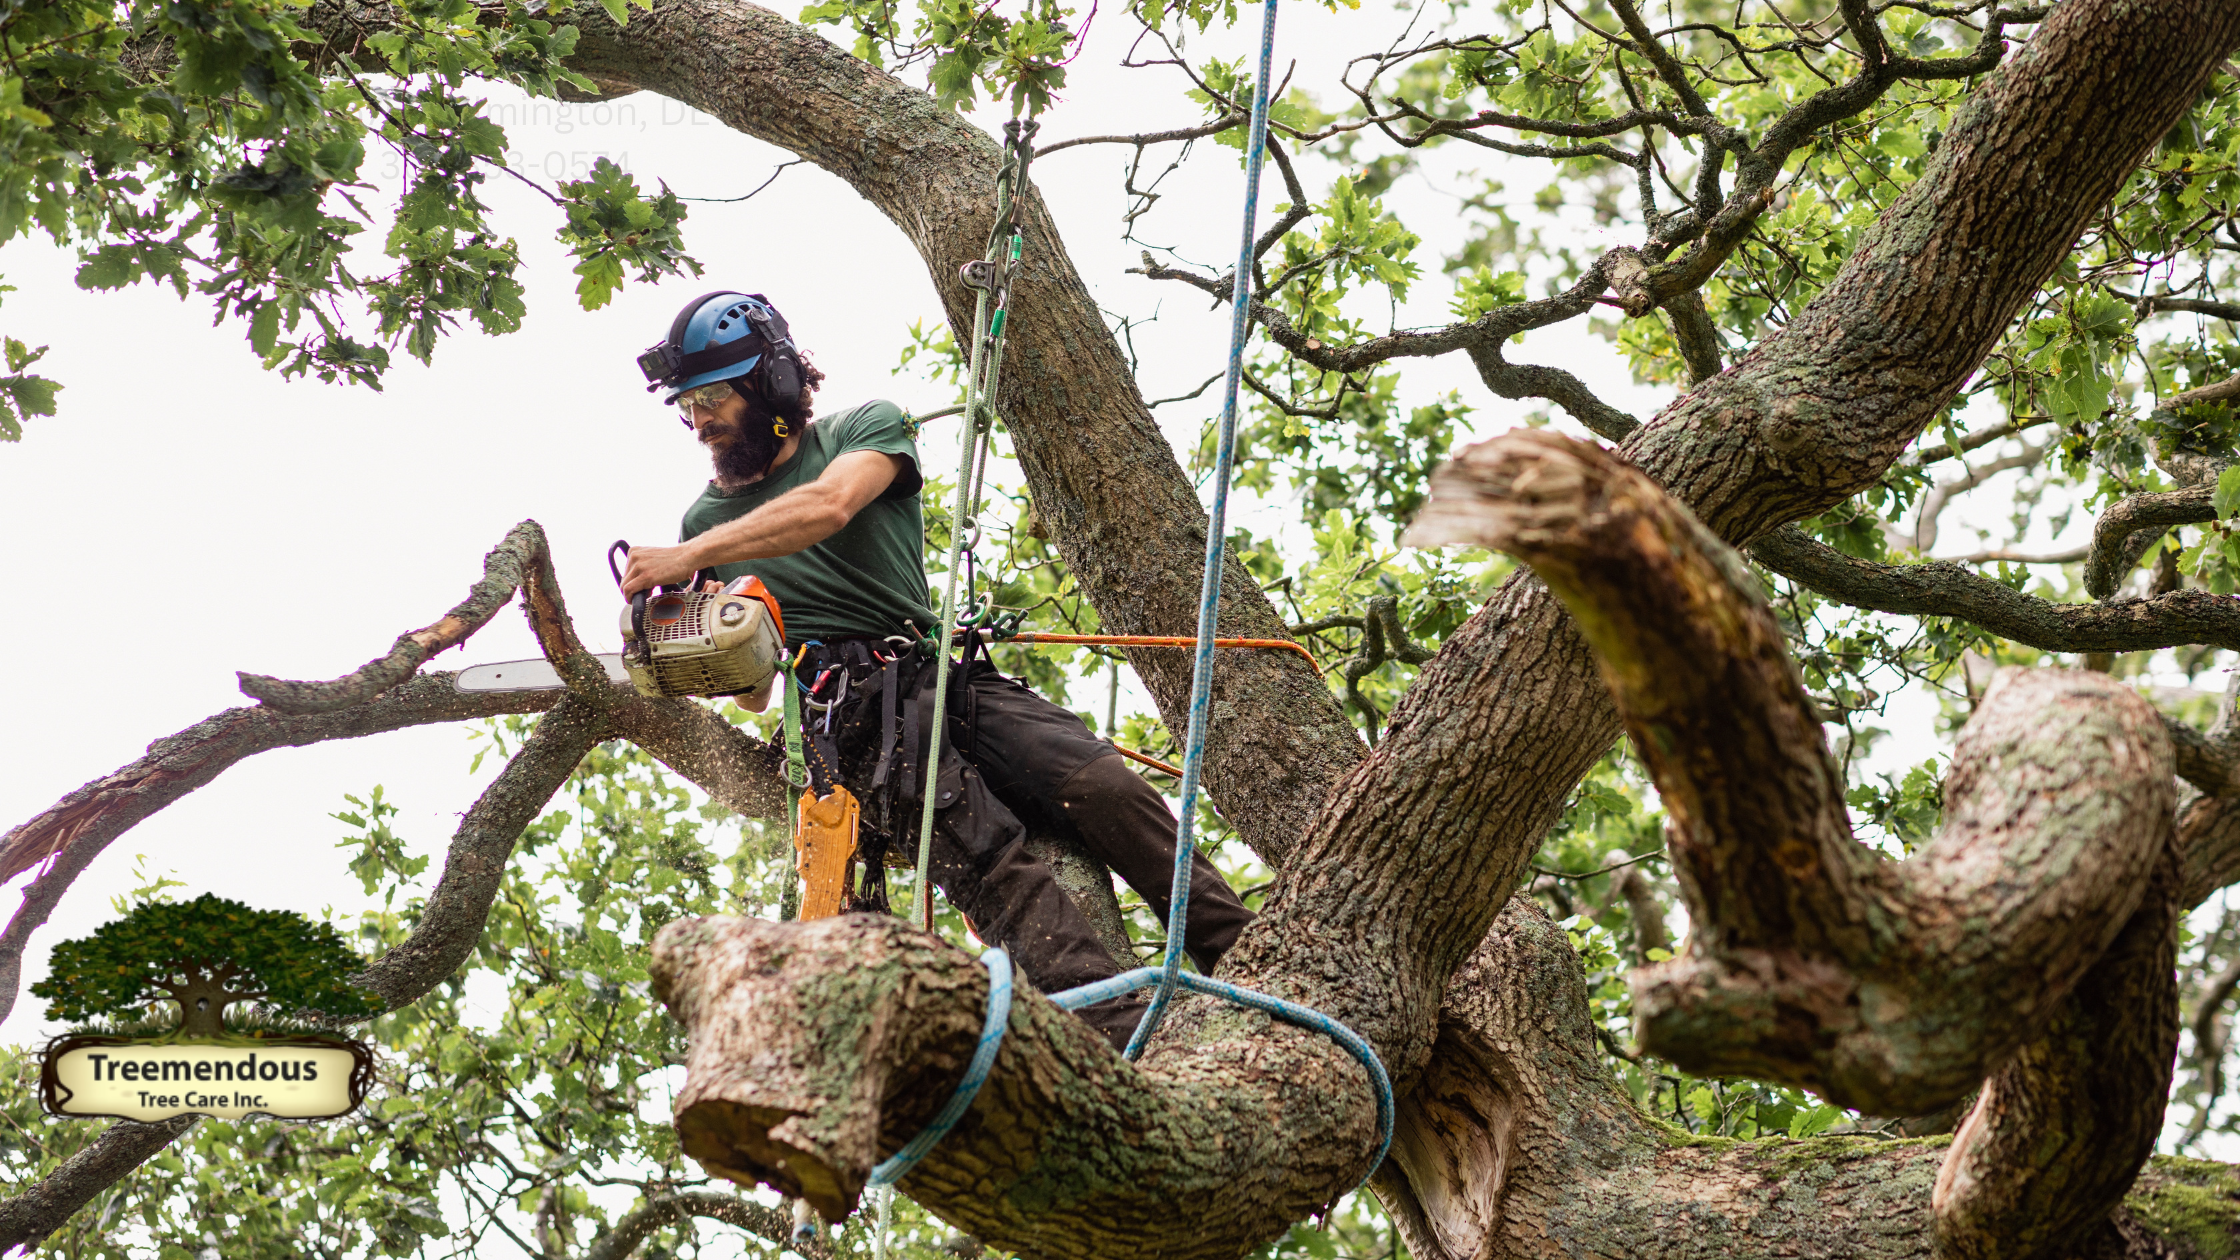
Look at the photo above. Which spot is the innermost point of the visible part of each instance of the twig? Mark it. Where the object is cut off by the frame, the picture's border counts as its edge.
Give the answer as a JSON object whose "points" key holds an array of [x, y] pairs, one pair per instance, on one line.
{"points": [[1218, 125], [1614, 866], [1208, 384], [779, 170]]}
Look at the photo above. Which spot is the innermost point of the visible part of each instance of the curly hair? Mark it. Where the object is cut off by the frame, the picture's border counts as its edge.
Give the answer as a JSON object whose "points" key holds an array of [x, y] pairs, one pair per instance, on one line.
{"points": [[761, 415]]}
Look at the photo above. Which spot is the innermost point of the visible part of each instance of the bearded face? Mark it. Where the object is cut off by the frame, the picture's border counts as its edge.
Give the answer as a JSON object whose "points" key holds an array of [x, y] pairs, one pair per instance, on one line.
{"points": [[740, 433], [743, 448]]}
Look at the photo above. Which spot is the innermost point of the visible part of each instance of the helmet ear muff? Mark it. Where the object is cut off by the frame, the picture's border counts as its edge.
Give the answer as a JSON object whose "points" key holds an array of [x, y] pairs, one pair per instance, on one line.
{"points": [[781, 384]]}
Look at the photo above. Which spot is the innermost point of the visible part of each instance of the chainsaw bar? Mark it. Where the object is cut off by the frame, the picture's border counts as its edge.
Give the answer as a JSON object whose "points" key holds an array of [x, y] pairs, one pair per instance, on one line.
{"points": [[537, 675]]}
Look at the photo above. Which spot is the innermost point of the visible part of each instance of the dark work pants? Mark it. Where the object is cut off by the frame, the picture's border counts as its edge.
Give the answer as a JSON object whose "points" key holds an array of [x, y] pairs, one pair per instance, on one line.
{"points": [[1010, 756]]}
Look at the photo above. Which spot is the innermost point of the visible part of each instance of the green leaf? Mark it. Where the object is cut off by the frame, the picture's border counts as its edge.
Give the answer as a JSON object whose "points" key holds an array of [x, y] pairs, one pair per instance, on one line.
{"points": [[1814, 1122], [264, 328], [33, 395], [2227, 494]]}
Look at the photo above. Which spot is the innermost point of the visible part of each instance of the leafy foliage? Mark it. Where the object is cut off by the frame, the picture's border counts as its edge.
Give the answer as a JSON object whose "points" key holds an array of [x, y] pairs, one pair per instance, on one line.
{"points": [[220, 146]]}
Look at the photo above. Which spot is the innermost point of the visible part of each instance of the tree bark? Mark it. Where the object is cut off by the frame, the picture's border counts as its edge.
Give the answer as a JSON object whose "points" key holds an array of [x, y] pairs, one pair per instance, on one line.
{"points": [[1520, 1145], [818, 1047], [1386, 891]]}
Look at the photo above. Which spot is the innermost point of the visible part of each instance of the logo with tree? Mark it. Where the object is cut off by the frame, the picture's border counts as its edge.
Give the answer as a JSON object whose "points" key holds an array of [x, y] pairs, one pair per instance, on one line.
{"points": [[155, 994]]}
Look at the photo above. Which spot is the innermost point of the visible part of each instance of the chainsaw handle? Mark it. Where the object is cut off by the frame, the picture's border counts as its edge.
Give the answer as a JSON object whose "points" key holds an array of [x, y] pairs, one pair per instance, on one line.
{"points": [[616, 569], [637, 603]]}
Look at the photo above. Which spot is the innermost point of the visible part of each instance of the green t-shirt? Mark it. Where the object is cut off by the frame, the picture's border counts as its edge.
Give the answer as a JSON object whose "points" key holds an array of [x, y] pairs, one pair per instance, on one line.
{"points": [[868, 578]]}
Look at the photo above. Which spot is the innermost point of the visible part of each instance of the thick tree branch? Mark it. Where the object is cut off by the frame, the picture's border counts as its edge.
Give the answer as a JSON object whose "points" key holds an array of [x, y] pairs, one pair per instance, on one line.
{"points": [[71, 833], [735, 769], [449, 927], [33, 1214], [1813, 960], [731, 766], [1061, 1108], [1519, 1143], [1698, 336], [2201, 761], [2222, 391], [1531, 380], [2061, 1129], [2217, 310], [452, 921]]}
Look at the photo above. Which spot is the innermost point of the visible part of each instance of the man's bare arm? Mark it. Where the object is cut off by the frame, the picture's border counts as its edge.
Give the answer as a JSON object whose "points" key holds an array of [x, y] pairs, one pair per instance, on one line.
{"points": [[799, 518]]}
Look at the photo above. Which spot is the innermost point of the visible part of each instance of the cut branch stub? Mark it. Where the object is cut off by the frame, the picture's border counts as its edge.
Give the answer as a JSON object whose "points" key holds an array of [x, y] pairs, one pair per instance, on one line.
{"points": [[1700, 674], [1890, 987], [1629, 280], [819, 1047], [799, 1040], [2056, 808]]}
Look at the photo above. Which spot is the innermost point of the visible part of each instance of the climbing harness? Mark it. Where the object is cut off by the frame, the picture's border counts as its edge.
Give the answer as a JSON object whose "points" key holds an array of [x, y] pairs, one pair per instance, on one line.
{"points": [[834, 827]]}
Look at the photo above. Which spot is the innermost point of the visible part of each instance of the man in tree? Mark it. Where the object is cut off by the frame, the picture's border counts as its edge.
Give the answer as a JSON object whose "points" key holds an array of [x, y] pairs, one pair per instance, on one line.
{"points": [[826, 512]]}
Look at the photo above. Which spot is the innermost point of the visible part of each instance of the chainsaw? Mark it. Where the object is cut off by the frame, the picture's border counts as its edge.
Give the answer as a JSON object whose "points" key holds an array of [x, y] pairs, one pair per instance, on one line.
{"points": [[679, 642]]}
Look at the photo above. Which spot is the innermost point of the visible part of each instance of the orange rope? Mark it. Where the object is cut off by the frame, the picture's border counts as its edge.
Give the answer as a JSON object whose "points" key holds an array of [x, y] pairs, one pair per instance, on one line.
{"points": [[1153, 762], [1159, 640]]}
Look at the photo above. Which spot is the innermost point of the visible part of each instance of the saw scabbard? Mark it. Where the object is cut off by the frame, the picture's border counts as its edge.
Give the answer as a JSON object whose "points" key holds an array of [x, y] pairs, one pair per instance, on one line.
{"points": [[824, 843]]}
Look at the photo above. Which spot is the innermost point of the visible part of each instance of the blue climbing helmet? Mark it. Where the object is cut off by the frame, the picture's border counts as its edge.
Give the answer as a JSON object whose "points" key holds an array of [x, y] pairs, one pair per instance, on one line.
{"points": [[723, 336]]}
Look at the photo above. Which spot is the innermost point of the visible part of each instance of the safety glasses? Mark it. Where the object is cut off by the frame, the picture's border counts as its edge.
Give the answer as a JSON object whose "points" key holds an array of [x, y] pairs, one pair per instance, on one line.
{"points": [[705, 396]]}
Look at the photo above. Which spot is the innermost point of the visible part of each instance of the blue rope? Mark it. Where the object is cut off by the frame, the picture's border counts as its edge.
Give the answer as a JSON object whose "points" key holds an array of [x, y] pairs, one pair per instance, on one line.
{"points": [[1306, 1017], [1217, 529], [1169, 976], [892, 1169]]}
